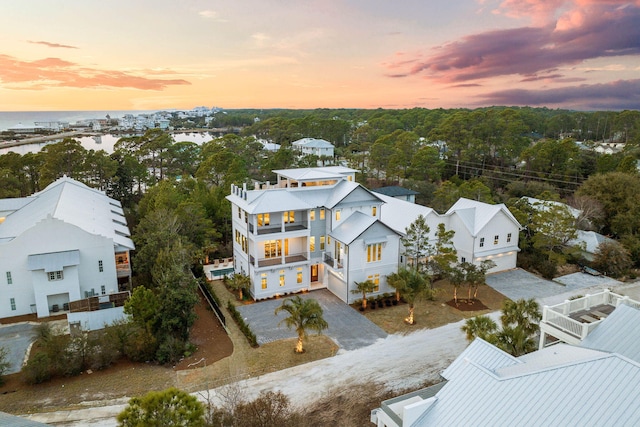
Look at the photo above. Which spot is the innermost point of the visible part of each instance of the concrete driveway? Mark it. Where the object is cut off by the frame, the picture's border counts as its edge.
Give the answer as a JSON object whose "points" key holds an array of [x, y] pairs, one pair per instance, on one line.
{"points": [[347, 327], [16, 339], [516, 284]]}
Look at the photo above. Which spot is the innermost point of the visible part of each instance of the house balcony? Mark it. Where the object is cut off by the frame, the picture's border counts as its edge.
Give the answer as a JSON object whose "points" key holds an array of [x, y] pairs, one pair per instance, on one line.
{"points": [[332, 262], [572, 320], [279, 229], [286, 260], [123, 269]]}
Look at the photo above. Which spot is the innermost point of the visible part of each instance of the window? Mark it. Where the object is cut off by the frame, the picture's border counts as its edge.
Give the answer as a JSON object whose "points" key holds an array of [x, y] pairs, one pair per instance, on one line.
{"points": [[264, 280], [55, 275], [312, 244], [509, 238], [338, 212], [374, 210], [482, 242], [100, 266], [272, 249], [9, 278], [463, 259], [374, 252], [312, 215], [322, 238], [495, 239], [376, 280], [245, 246], [289, 217], [299, 275], [321, 214], [263, 219], [239, 212], [13, 303], [281, 277], [103, 289]]}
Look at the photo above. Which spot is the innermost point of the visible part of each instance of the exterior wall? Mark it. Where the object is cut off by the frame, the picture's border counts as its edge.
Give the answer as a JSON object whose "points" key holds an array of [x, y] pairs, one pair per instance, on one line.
{"points": [[31, 290], [505, 258], [94, 320]]}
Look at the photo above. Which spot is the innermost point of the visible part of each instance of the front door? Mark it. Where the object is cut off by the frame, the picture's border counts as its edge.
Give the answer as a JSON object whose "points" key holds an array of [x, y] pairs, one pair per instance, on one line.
{"points": [[314, 273]]}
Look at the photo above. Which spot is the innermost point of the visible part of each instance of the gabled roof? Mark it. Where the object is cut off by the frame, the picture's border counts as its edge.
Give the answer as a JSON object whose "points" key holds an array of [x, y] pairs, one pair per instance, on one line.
{"points": [[475, 215], [75, 203], [314, 174], [275, 200], [395, 191], [594, 388], [542, 204], [399, 214], [355, 226]]}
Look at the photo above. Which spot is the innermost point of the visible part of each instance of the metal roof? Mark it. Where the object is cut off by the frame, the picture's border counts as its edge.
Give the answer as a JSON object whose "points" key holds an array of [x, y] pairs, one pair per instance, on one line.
{"points": [[312, 142], [475, 215], [399, 214], [395, 191], [75, 203], [617, 333], [352, 227]]}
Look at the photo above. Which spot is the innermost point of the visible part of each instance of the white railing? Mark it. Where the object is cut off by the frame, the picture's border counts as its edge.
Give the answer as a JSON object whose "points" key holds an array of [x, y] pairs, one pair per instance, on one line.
{"points": [[558, 315]]}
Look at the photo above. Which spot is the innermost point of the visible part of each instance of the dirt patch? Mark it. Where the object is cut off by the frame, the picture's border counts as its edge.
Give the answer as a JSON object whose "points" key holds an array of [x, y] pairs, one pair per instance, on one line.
{"points": [[467, 304], [209, 336]]}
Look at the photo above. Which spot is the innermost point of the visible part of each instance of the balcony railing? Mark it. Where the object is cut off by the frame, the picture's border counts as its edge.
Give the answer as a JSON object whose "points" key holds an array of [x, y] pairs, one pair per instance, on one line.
{"points": [[123, 269], [569, 316], [332, 262], [288, 259], [278, 228]]}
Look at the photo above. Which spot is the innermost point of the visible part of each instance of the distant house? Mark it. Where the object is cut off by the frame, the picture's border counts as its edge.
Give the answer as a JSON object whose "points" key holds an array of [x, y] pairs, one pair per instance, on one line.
{"points": [[592, 384], [588, 242], [313, 146], [317, 228], [65, 243], [398, 193]]}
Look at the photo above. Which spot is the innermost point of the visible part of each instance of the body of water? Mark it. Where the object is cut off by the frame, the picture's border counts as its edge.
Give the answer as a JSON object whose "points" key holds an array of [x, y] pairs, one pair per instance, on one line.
{"points": [[9, 119]]}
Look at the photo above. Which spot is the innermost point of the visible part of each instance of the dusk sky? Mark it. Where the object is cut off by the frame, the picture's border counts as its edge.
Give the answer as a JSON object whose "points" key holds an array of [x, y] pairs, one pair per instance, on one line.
{"points": [[161, 54]]}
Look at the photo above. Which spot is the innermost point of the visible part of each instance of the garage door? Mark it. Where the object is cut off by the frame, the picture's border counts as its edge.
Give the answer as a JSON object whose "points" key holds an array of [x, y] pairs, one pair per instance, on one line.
{"points": [[337, 286]]}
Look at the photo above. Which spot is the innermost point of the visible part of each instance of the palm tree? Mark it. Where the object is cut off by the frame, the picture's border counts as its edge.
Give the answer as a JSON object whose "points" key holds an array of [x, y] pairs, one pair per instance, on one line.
{"points": [[365, 287], [522, 313], [412, 285], [238, 282], [304, 314], [480, 327], [515, 341]]}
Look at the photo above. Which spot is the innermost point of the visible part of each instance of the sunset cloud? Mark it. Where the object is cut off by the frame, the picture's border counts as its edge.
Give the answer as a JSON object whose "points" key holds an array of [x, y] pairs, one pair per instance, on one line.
{"points": [[621, 94], [605, 31], [55, 72], [49, 44]]}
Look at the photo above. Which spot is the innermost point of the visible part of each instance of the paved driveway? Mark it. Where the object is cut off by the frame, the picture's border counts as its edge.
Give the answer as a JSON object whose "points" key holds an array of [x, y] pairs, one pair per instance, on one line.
{"points": [[347, 327], [16, 339], [516, 284]]}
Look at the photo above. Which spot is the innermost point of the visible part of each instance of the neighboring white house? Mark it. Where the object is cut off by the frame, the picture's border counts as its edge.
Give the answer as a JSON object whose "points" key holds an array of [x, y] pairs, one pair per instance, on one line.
{"points": [[318, 228], [593, 384], [313, 146], [65, 243]]}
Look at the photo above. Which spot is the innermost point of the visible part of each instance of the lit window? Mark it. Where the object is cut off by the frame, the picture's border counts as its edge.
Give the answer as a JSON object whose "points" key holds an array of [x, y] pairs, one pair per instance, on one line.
{"points": [[263, 219], [312, 215], [495, 239], [281, 277], [482, 242], [9, 278], [13, 303], [100, 266], [55, 275], [374, 252], [338, 212], [376, 280], [272, 249], [321, 214], [374, 211], [264, 280], [322, 238], [312, 244], [299, 276], [239, 213], [509, 238], [289, 217]]}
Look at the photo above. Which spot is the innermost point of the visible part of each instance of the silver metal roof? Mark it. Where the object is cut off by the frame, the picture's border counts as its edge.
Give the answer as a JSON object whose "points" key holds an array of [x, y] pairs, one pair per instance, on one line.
{"points": [[618, 333]]}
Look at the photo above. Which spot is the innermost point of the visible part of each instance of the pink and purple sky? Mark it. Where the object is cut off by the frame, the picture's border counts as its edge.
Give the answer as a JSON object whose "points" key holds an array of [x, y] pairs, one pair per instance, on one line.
{"points": [[161, 54]]}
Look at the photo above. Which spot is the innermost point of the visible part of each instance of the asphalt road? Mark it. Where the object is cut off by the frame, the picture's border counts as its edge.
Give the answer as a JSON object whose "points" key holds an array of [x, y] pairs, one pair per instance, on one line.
{"points": [[16, 339]]}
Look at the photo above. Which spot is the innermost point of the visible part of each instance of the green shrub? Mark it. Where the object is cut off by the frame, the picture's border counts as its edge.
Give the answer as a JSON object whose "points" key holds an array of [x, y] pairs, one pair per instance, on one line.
{"points": [[37, 369], [244, 328], [4, 365]]}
